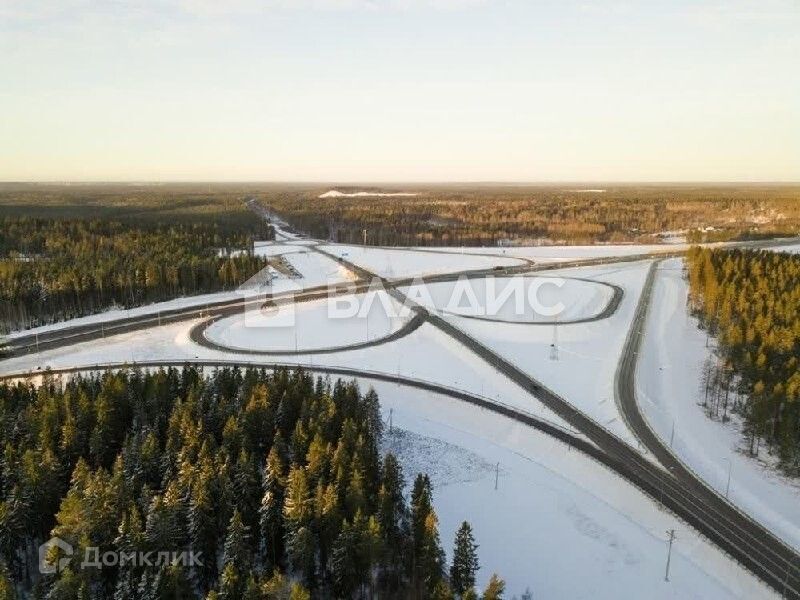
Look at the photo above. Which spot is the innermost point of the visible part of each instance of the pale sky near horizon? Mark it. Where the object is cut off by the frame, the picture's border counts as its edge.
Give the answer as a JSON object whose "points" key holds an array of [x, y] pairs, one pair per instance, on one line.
{"points": [[422, 90]]}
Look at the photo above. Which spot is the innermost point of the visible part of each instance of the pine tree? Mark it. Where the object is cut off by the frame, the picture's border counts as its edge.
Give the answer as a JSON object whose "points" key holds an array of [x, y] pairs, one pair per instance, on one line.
{"points": [[495, 588], [428, 565], [298, 592], [393, 519], [247, 489], [237, 550], [298, 511], [203, 527], [465, 560], [7, 591], [345, 562], [271, 510], [231, 585]]}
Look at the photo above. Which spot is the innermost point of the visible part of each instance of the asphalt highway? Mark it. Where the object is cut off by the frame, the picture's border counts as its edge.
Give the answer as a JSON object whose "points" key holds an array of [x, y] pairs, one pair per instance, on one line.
{"points": [[669, 483]]}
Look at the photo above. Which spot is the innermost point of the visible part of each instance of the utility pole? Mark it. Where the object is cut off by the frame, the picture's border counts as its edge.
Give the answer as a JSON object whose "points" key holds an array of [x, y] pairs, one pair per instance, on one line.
{"points": [[671, 534], [672, 435], [554, 345], [390, 420], [496, 475], [728, 485]]}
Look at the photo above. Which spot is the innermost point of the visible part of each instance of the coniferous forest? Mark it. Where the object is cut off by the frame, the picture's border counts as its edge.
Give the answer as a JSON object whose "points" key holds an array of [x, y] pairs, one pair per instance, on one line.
{"points": [[65, 256], [750, 302], [488, 215], [274, 481]]}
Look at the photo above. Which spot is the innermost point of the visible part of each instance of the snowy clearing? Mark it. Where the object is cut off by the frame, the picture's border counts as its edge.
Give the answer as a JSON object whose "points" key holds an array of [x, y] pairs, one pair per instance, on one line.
{"points": [[310, 325], [669, 390], [558, 523], [275, 249], [556, 254], [793, 249], [400, 264], [426, 355], [338, 194], [314, 270], [582, 365], [515, 299]]}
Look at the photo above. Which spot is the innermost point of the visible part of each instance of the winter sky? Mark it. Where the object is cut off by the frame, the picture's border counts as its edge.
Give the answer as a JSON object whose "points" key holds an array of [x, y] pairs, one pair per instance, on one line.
{"points": [[345, 90]]}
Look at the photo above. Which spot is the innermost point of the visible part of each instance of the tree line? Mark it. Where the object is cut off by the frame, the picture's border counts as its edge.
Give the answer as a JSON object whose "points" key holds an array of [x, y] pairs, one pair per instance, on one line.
{"points": [[274, 479], [57, 269], [750, 302], [489, 215], [72, 250]]}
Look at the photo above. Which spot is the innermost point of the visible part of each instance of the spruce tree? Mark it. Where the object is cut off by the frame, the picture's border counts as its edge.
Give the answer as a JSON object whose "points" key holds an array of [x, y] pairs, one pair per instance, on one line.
{"points": [[428, 564], [495, 588], [237, 544], [271, 511], [465, 560]]}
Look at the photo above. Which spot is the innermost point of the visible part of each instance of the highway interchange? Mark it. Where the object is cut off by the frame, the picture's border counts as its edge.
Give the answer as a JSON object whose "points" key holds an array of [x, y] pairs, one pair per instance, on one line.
{"points": [[669, 482]]}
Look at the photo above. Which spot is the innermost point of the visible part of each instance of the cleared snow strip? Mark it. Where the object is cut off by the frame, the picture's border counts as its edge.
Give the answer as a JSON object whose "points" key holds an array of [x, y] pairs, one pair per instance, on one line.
{"points": [[310, 325], [669, 390], [338, 194], [275, 249], [399, 264], [150, 309], [576, 361], [314, 270], [794, 249], [555, 254], [426, 354], [558, 522], [520, 299]]}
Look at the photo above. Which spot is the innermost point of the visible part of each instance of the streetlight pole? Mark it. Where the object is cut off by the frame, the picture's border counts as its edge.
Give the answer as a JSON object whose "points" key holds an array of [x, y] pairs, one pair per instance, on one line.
{"points": [[728, 485], [671, 534]]}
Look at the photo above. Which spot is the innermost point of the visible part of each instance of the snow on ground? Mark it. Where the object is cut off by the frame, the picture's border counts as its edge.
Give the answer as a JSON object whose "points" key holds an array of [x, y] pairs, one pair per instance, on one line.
{"points": [[669, 390], [516, 299], [556, 513], [399, 264], [275, 249], [310, 325], [314, 269], [587, 353], [426, 354], [338, 194], [150, 309], [558, 523], [555, 254], [793, 249]]}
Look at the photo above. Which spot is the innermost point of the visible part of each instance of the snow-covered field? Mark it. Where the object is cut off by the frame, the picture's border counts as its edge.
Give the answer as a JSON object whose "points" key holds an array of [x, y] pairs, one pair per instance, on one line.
{"points": [[517, 299], [794, 249], [669, 390], [150, 309], [311, 325], [556, 254], [399, 264], [314, 269], [338, 194], [426, 354], [558, 523], [275, 249], [582, 364]]}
